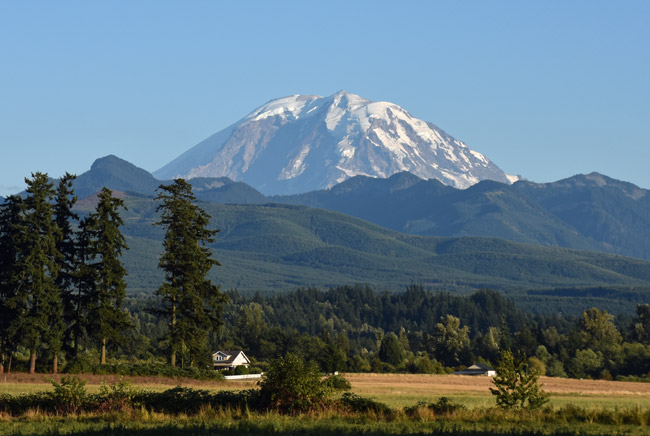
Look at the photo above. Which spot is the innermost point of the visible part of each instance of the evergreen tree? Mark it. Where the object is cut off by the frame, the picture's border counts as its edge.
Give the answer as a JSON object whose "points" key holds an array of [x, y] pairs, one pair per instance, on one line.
{"points": [[69, 262], [37, 297], [516, 384], [10, 221], [191, 303], [390, 349], [641, 326], [105, 298]]}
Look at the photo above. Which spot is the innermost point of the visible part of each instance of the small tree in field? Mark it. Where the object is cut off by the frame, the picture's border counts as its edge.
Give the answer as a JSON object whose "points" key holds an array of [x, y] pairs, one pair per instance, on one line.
{"points": [[517, 385]]}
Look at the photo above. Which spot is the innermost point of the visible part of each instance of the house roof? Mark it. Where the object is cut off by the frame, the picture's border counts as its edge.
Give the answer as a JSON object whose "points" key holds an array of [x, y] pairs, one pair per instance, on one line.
{"points": [[230, 356], [476, 369], [481, 366]]}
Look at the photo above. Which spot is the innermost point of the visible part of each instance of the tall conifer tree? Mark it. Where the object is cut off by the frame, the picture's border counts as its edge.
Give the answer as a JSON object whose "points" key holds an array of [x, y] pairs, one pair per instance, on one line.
{"points": [[107, 243], [69, 261], [37, 297], [191, 303], [10, 224]]}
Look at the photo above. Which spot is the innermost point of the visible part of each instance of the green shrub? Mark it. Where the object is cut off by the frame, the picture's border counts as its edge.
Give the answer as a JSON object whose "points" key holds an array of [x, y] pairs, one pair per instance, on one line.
{"points": [[445, 406], [356, 403], [293, 386], [116, 397], [337, 382], [70, 395], [191, 401]]}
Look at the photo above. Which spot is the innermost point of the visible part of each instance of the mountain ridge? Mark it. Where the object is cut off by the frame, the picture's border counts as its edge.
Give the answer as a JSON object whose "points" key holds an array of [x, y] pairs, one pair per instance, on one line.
{"points": [[592, 212]]}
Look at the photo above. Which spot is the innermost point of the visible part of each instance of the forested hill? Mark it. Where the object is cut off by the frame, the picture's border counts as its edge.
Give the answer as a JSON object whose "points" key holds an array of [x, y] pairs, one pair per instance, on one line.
{"points": [[282, 247], [591, 211], [120, 175]]}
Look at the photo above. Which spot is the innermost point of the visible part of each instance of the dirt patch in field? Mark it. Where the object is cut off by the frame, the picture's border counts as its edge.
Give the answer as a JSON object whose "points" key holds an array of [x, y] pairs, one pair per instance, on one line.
{"points": [[450, 384]]}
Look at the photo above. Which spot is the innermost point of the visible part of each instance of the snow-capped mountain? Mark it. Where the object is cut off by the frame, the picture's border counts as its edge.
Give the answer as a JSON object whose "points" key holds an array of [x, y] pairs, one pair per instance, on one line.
{"points": [[305, 142]]}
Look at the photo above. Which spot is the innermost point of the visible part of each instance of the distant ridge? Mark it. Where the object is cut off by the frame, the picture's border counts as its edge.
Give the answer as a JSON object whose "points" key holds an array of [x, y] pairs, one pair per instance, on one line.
{"points": [[120, 175], [116, 174], [591, 211]]}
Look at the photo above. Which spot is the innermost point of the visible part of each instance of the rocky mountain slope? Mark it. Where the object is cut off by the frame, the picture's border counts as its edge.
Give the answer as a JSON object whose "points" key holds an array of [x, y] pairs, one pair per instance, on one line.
{"points": [[303, 142]]}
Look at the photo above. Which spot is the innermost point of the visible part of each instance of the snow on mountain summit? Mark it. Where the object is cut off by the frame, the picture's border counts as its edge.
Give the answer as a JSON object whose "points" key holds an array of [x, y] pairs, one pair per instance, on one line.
{"points": [[301, 143]]}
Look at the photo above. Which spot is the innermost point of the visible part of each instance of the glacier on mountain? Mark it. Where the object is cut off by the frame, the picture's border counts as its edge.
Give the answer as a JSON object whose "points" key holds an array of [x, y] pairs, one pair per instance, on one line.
{"points": [[301, 143]]}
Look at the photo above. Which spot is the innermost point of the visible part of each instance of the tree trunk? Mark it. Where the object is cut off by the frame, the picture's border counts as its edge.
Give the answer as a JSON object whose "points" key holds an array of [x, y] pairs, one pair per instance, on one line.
{"points": [[11, 360], [172, 332], [55, 364], [103, 360], [32, 363]]}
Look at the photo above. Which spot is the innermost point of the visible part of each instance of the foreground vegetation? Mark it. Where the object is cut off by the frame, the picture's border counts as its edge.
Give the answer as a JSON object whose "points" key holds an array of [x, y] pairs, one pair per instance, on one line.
{"points": [[293, 399], [337, 420]]}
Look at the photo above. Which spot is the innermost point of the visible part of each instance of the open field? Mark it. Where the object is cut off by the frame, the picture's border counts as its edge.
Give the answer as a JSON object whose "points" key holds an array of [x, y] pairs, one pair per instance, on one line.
{"points": [[396, 390], [20, 382]]}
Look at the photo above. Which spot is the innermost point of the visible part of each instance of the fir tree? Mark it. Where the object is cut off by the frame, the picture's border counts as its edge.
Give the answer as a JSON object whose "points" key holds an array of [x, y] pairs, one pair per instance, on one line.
{"points": [[37, 297], [107, 319], [69, 262], [516, 384], [10, 222], [191, 303]]}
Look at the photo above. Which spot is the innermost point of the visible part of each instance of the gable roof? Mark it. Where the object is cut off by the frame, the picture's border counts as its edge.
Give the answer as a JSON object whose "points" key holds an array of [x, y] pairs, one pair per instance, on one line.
{"points": [[480, 366], [229, 356]]}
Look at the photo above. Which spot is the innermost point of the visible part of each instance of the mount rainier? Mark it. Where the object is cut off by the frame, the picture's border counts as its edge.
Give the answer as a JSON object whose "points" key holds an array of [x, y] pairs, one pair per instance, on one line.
{"points": [[304, 142]]}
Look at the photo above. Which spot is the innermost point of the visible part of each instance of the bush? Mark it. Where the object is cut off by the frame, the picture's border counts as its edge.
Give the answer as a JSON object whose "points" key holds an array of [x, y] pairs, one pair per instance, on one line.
{"points": [[116, 397], [445, 406], [356, 403], [70, 395], [292, 385], [337, 383], [147, 370]]}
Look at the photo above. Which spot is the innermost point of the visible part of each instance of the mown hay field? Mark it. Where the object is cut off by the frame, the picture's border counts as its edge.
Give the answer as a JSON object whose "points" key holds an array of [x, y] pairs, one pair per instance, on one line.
{"points": [[398, 390]]}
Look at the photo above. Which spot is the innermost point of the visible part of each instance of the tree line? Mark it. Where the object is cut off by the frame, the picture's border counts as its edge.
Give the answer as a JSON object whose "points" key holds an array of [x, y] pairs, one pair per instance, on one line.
{"points": [[355, 328], [62, 282]]}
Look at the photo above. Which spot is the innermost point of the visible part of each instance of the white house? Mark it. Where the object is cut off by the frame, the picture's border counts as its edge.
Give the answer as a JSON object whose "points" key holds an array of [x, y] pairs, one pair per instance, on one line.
{"points": [[477, 369], [229, 359]]}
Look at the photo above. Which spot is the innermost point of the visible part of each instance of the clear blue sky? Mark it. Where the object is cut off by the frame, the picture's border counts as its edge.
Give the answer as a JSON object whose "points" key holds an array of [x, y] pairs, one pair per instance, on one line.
{"points": [[545, 89]]}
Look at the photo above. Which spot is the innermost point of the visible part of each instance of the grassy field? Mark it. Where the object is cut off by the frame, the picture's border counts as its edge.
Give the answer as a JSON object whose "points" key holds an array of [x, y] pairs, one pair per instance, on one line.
{"points": [[396, 390], [578, 407], [399, 390]]}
